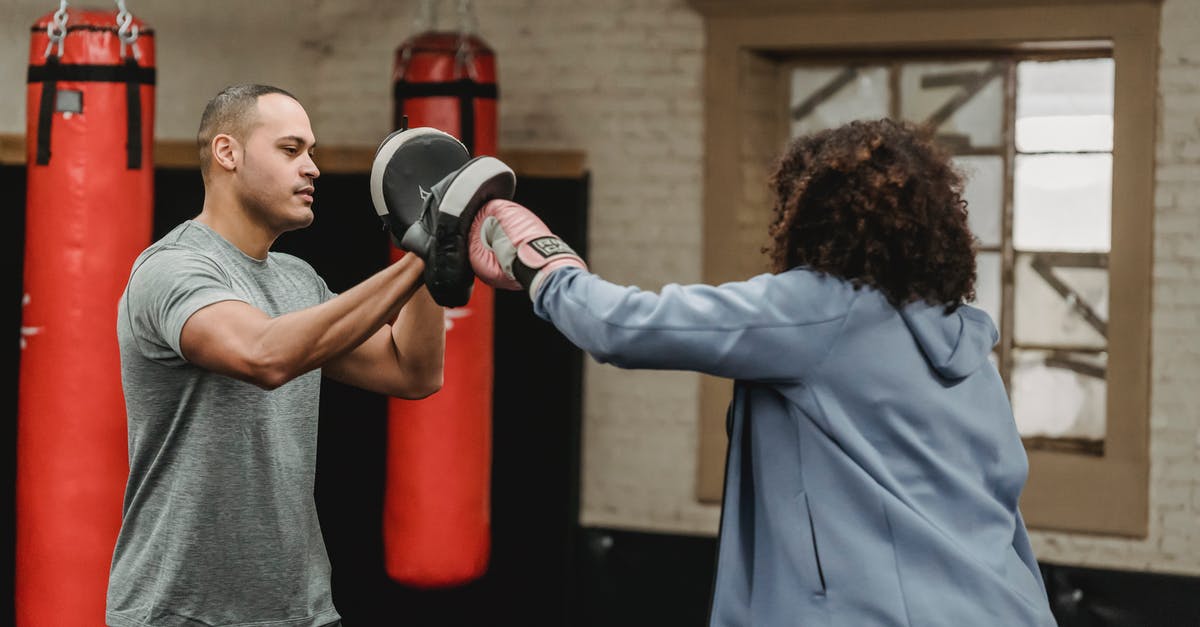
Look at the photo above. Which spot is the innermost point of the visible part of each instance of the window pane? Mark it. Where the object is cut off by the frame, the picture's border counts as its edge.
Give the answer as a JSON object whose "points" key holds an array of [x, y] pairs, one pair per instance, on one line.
{"points": [[987, 284], [984, 192], [831, 96], [1062, 202], [1065, 105], [1059, 394], [1059, 305], [965, 100]]}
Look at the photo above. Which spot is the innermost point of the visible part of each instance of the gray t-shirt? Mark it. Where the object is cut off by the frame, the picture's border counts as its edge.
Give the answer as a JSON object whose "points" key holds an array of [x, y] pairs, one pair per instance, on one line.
{"points": [[219, 524]]}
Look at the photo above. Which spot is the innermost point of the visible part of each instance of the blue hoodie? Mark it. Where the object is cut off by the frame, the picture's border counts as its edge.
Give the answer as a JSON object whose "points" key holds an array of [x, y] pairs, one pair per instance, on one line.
{"points": [[874, 466]]}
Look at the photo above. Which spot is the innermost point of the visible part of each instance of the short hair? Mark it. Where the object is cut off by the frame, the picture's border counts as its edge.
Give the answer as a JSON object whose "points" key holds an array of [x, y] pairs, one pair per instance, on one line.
{"points": [[233, 111], [877, 203]]}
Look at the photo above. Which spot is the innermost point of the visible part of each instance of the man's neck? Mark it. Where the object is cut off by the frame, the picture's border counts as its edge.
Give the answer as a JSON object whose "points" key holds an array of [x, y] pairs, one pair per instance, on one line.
{"points": [[230, 220]]}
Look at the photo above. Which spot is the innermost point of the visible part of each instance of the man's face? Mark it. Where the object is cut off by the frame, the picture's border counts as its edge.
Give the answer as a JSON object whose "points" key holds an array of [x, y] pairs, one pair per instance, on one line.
{"points": [[276, 179]]}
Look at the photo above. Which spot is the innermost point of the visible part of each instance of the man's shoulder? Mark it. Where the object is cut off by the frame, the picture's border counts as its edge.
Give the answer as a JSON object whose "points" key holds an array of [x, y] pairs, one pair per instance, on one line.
{"points": [[184, 241], [179, 254], [187, 235]]}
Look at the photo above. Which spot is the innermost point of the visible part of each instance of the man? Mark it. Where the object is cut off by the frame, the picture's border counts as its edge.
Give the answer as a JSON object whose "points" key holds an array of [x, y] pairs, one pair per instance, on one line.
{"points": [[874, 465], [223, 344]]}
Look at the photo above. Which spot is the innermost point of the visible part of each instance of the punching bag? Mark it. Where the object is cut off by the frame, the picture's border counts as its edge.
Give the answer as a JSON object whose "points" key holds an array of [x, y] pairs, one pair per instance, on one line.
{"points": [[89, 213], [437, 520]]}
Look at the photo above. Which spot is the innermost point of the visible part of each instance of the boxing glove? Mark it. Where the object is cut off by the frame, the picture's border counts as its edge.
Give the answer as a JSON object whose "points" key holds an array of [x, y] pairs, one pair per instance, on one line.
{"points": [[511, 248]]}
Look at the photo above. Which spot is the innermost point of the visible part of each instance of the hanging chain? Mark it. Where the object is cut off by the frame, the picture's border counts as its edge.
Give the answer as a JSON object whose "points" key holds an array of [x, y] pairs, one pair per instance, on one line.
{"points": [[466, 17], [466, 27], [127, 31], [56, 30], [427, 17], [426, 20]]}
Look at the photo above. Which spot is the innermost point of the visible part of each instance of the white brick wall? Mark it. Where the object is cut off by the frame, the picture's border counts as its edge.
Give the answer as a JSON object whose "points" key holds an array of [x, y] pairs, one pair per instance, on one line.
{"points": [[578, 75], [581, 76], [200, 46], [1173, 544]]}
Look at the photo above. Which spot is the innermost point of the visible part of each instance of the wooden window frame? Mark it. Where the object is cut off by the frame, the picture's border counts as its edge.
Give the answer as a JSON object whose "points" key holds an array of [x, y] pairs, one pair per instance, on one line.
{"points": [[1105, 494]]}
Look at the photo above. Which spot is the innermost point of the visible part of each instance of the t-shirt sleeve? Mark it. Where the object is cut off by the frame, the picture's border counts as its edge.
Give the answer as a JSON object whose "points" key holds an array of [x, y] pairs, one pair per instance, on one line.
{"points": [[164, 291], [323, 289]]}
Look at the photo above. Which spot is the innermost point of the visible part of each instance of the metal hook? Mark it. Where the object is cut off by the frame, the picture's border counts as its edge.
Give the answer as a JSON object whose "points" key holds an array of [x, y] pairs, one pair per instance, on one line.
{"points": [[56, 29], [127, 31]]}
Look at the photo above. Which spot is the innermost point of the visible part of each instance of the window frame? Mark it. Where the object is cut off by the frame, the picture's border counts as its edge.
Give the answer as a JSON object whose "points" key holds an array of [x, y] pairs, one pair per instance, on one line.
{"points": [[1106, 494]]}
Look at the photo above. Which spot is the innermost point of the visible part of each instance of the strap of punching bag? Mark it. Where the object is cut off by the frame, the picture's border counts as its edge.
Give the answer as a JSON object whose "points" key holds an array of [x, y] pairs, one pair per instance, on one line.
{"points": [[133, 119], [465, 89], [46, 110], [130, 73]]}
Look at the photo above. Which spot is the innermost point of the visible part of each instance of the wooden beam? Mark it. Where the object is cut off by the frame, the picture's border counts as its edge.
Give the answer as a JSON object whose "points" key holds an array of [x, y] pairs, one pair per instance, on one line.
{"points": [[181, 153], [12, 150]]}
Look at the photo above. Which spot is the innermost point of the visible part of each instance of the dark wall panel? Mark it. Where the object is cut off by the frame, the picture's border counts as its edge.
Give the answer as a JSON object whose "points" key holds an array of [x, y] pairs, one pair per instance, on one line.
{"points": [[12, 264]]}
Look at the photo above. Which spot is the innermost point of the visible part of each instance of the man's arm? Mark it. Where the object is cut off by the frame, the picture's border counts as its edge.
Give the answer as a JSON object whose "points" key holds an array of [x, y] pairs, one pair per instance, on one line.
{"points": [[241, 341], [403, 359]]}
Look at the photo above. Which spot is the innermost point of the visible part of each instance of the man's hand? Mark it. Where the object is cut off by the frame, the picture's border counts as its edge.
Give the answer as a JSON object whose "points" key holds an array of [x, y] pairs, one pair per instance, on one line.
{"points": [[426, 189], [451, 207], [407, 165]]}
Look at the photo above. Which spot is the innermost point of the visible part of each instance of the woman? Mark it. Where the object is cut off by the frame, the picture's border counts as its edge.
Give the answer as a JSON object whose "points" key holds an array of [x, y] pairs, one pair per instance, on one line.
{"points": [[874, 465]]}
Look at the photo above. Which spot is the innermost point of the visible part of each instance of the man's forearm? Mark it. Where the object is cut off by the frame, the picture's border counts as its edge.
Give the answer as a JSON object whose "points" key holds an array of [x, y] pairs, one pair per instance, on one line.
{"points": [[303, 340], [420, 337]]}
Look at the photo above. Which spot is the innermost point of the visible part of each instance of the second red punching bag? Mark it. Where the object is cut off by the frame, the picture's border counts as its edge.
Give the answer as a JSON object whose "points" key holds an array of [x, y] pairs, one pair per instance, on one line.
{"points": [[437, 518], [89, 212]]}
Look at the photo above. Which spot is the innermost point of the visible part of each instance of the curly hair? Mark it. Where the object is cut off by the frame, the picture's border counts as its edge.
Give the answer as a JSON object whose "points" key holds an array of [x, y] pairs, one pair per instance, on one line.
{"points": [[876, 203]]}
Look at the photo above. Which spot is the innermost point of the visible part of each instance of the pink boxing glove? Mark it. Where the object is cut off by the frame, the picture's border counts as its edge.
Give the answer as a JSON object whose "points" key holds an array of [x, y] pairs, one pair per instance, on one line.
{"points": [[512, 249]]}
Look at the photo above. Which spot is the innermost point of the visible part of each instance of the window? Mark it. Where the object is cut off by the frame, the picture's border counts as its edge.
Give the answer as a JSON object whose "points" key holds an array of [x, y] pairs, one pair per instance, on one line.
{"points": [[1024, 95]]}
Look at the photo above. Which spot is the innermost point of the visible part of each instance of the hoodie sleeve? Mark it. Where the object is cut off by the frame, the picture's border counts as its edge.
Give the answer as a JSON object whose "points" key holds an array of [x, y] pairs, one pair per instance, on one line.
{"points": [[771, 327]]}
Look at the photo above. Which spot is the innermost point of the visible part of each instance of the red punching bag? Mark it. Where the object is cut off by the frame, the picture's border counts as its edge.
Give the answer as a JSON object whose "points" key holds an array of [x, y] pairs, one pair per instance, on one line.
{"points": [[89, 212], [437, 520]]}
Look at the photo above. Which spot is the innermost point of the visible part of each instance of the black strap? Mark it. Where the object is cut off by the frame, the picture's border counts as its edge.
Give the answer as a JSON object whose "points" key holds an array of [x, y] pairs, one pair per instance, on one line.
{"points": [[123, 73], [46, 111], [461, 88], [133, 119], [466, 115], [465, 89], [129, 73], [143, 31]]}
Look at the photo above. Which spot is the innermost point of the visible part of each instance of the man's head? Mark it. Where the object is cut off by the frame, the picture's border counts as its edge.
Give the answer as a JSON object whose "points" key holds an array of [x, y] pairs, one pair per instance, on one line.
{"points": [[877, 203], [256, 141]]}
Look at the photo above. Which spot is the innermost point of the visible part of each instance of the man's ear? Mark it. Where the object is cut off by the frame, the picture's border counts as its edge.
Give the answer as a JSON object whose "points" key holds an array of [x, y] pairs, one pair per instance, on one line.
{"points": [[226, 152]]}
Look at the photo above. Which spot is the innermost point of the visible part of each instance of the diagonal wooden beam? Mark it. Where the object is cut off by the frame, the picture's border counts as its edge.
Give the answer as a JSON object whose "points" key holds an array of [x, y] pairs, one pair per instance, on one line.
{"points": [[1068, 362], [1076, 302], [964, 95], [827, 91]]}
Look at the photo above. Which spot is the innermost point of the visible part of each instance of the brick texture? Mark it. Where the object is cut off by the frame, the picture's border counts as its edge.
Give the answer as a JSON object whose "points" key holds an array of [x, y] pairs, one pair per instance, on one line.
{"points": [[1173, 543]]}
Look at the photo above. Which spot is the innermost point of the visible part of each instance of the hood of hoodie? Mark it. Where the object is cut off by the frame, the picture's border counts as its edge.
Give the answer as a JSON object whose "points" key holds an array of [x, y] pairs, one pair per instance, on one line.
{"points": [[955, 344]]}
